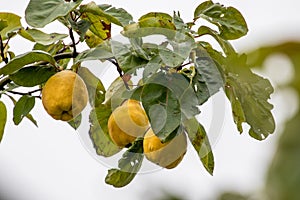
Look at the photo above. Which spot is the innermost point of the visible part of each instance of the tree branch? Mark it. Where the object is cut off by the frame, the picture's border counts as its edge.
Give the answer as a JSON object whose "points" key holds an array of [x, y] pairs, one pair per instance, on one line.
{"points": [[26, 93], [4, 81], [119, 71], [73, 42], [2, 47]]}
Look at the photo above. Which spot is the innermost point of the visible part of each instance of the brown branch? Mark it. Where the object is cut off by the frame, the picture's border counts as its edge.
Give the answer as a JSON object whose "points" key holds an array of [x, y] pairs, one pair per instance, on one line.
{"points": [[4, 81], [73, 42], [120, 71], [2, 47], [26, 93]]}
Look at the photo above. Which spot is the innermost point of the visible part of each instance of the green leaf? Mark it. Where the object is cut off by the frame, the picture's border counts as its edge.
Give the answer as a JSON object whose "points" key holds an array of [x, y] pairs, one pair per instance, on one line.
{"points": [[22, 108], [229, 20], [127, 59], [160, 15], [163, 106], [114, 94], [10, 23], [208, 76], [163, 110], [249, 94], [99, 131], [32, 76], [52, 49], [3, 118], [28, 116], [178, 51], [92, 8], [177, 84], [39, 13], [94, 85], [75, 123], [225, 45], [3, 24], [129, 165], [99, 25], [200, 142], [151, 24], [24, 59], [92, 40], [137, 44], [152, 67], [101, 52], [118, 13], [41, 37], [80, 27]]}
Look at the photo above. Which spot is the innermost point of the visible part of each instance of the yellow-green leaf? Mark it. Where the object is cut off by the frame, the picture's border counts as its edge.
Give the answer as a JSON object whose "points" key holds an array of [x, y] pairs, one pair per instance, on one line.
{"points": [[10, 23], [3, 118]]}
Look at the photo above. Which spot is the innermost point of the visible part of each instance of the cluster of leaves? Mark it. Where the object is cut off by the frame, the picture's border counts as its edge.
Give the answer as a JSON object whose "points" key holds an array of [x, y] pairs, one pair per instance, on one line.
{"points": [[179, 74]]}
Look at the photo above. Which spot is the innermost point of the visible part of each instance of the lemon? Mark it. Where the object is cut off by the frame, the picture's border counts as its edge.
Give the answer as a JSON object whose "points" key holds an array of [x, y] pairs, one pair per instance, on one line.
{"points": [[64, 95], [167, 155], [127, 122]]}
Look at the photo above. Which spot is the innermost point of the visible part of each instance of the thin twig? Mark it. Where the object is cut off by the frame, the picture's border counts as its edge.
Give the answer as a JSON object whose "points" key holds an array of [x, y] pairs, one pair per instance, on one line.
{"points": [[119, 71], [2, 47], [182, 66], [4, 81], [26, 93]]}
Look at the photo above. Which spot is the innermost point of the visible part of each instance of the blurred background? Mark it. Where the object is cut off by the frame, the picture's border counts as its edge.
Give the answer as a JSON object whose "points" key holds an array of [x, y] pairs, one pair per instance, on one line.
{"points": [[51, 162]]}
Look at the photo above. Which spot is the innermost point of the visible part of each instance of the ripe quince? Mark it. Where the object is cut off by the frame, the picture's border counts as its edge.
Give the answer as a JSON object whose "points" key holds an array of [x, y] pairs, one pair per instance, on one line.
{"points": [[127, 122], [168, 154], [64, 95]]}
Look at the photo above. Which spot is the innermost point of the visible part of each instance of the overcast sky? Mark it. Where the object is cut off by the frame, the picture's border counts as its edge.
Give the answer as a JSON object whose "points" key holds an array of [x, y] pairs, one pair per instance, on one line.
{"points": [[52, 162]]}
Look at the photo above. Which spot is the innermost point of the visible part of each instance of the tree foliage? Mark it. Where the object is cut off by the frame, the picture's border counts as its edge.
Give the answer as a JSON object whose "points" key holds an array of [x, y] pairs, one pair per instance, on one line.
{"points": [[179, 74]]}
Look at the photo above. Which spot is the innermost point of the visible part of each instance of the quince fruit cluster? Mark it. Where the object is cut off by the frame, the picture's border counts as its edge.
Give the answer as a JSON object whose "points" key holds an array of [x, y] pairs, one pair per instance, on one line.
{"points": [[129, 121]]}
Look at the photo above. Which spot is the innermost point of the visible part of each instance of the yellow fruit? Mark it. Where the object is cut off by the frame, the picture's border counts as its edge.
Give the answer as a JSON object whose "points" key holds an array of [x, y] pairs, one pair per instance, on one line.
{"points": [[127, 122], [64, 95], [167, 155]]}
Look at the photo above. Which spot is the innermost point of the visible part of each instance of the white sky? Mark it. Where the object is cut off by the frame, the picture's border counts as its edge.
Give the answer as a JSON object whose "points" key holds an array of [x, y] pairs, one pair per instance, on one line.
{"points": [[51, 163]]}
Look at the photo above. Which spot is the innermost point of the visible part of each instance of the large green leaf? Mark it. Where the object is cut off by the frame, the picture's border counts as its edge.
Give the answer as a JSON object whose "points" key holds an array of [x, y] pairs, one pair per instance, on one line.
{"points": [[99, 131], [208, 78], [28, 116], [225, 45], [114, 94], [163, 109], [75, 123], [99, 25], [10, 23], [129, 165], [151, 24], [39, 13], [101, 52], [229, 20], [22, 108], [3, 118], [94, 85], [200, 142], [119, 13], [197, 83], [32, 76], [249, 94], [127, 59], [20, 61], [3, 24], [41, 37], [94, 9], [181, 48]]}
